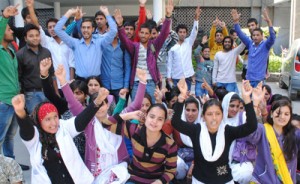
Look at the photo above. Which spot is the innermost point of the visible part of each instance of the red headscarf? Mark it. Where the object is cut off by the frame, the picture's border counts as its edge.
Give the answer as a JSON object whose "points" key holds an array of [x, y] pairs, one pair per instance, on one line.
{"points": [[46, 109]]}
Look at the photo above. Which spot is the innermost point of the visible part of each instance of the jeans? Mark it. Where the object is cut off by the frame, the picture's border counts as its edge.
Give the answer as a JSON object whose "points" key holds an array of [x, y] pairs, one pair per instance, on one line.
{"points": [[150, 88], [187, 80], [34, 98], [230, 87], [199, 91], [255, 83], [8, 129]]}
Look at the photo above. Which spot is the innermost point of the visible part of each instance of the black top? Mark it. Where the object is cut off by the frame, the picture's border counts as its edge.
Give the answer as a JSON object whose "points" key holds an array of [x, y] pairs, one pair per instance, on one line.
{"points": [[19, 33], [217, 172], [56, 168], [29, 67]]}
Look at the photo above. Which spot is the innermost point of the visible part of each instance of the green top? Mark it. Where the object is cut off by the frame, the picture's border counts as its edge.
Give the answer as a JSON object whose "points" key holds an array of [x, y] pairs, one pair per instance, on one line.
{"points": [[120, 106], [9, 82]]}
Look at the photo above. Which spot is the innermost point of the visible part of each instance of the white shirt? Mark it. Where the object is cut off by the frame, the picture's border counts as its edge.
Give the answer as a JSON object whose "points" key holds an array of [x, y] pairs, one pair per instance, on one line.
{"points": [[60, 53], [180, 57], [69, 153]]}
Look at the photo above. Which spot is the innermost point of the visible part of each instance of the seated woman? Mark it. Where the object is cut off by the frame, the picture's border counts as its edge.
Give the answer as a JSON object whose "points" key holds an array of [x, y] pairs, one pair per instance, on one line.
{"points": [[154, 153], [53, 155], [212, 137], [277, 143]]}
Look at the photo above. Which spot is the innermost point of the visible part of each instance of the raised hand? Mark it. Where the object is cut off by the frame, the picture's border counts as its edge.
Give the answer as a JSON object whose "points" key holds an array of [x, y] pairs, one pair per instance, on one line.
{"points": [[197, 13], [158, 94], [141, 74], [258, 94], [266, 17], [216, 22], [102, 95], [183, 88], [104, 10], [204, 39], [123, 93], [118, 17], [71, 12], [60, 74], [203, 99], [29, 3], [246, 91], [169, 8], [10, 11], [45, 65], [79, 13], [149, 14], [235, 15], [18, 102], [222, 24], [142, 2]]}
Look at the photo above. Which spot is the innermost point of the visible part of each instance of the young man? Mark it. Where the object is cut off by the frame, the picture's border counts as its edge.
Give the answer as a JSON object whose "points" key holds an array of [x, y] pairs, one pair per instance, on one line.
{"points": [[88, 50], [29, 58], [216, 37], [180, 55], [258, 48], [225, 64], [9, 85], [145, 52]]}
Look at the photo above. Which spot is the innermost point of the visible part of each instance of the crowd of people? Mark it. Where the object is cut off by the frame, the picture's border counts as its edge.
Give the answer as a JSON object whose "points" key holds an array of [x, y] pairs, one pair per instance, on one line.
{"points": [[105, 100]]}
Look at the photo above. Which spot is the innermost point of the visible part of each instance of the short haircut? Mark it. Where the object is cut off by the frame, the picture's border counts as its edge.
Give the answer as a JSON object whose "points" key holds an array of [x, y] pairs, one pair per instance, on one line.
{"points": [[147, 26], [204, 47], [218, 31], [232, 31], [29, 27], [25, 12], [181, 26], [252, 20], [259, 30], [80, 85], [129, 24], [51, 20], [227, 37], [87, 20], [99, 13]]}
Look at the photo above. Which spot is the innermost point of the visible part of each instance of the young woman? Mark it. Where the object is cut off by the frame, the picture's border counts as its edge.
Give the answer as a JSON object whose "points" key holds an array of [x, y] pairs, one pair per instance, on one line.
{"points": [[277, 144], [53, 155], [154, 153], [212, 137]]}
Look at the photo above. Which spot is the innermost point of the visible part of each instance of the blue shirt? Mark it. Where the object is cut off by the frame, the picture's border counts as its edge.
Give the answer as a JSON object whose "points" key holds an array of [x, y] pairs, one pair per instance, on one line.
{"points": [[258, 55], [88, 58], [115, 68]]}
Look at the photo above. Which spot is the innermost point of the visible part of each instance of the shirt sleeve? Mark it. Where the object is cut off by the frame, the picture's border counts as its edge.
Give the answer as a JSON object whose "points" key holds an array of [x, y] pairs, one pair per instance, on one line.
{"points": [[111, 34], [3, 23], [170, 164], [169, 64], [194, 33], [272, 37], [245, 39], [215, 69], [239, 48], [44, 38], [212, 36], [70, 41], [127, 60]]}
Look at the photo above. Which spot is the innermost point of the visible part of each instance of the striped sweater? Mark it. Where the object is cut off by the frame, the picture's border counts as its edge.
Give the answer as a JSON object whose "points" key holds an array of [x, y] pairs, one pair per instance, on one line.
{"points": [[149, 163]]}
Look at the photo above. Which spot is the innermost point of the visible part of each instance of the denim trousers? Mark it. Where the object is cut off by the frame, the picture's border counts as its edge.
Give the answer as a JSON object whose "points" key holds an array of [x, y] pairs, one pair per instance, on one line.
{"points": [[34, 98], [150, 88]]}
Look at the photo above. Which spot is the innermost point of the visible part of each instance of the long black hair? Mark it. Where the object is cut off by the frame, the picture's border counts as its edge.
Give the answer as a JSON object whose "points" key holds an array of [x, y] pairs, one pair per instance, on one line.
{"points": [[47, 139], [289, 145], [210, 103]]}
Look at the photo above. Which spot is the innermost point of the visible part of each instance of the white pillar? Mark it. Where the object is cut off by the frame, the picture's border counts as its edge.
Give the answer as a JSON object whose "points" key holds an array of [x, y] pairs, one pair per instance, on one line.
{"points": [[57, 10], [158, 9], [19, 22]]}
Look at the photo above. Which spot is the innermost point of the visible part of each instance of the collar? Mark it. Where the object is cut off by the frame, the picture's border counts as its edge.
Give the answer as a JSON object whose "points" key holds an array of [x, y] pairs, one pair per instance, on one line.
{"points": [[258, 44], [39, 48], [159, 143], [97, 31], [83, 41]]}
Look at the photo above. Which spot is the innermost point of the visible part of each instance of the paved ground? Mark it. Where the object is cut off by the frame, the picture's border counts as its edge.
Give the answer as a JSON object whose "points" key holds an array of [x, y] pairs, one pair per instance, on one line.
{"points": [[22, 155]]}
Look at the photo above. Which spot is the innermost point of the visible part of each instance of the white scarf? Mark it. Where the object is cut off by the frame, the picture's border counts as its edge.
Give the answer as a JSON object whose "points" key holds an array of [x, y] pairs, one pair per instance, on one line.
{"points": [[108, 144], [184, 138], [205, 142]]}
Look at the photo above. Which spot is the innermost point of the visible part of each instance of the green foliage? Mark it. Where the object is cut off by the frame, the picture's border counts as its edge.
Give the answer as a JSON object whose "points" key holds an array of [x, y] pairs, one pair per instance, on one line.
{"points": [[274, 63]]}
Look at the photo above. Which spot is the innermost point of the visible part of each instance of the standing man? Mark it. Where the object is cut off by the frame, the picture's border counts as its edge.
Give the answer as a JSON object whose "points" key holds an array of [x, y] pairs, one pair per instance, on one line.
{"points": [[29, 58], [88, 50], [145, 52], [225, 65], [9, 85], [258, 48], [180, 55]]}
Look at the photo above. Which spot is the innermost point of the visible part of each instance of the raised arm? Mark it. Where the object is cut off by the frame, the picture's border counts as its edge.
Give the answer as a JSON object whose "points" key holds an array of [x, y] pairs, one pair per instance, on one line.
{"points": [[7, 12], [141, 20], [272, 37], [111, 34], [195, 28], [212, 33], [33, 17], [25, 123], [236, 18], [215, 69]]}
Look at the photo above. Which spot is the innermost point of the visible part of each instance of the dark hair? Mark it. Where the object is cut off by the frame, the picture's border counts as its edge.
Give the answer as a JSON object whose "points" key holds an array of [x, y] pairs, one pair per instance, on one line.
{"points": [[80, 85], [129, 24], [268, 88], [172, 93], [94, 96], [232, 31], [252, 20], [161, 106], [227, 37], [277, 97], [25, 12], [296, 117], [148, 98], [29, 27], [147, 26], [87, 20], [220, 92], [46, 139], [289, 144], [99, 13], [234, 98], [152, 24], [211, 102], [51, 20], [205, 47], [193, 100], [181, 26], [96, 78], [218, 31], [259, 30]]}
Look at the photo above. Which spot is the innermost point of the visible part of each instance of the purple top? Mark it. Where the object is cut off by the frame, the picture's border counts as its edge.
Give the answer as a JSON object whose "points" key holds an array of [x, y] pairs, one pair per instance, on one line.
{"points": [[91, 147], [264, 171], [153, 49]]}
